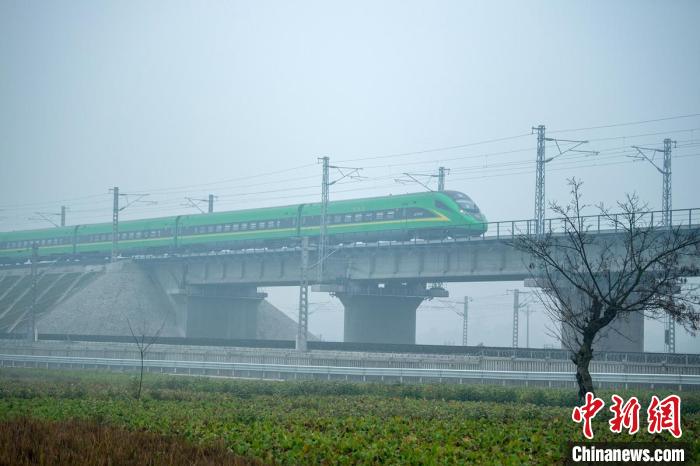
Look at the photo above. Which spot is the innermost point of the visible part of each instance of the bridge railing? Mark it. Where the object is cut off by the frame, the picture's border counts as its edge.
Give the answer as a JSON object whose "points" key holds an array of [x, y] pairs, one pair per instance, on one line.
{"points": [[684, 218]]}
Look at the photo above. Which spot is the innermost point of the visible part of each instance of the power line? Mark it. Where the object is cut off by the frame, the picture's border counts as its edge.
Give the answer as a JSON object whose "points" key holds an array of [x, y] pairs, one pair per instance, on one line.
{"points": [[629, 123], [436, 149], [277, 172]]}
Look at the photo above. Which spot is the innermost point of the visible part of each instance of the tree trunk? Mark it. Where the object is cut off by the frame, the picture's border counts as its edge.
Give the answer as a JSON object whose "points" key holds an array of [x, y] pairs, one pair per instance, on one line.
{"points": [[138, 395], [582, 359]]}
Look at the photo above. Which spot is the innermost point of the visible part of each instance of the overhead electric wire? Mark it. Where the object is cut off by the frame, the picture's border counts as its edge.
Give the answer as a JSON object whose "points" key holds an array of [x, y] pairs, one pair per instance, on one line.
{"points": [[487, 170], [436, 149], [629, 123], [229, 180]]}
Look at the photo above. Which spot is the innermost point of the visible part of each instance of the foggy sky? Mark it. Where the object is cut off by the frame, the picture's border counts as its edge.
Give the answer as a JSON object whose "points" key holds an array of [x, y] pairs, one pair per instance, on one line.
{"points": [[183, 99]]}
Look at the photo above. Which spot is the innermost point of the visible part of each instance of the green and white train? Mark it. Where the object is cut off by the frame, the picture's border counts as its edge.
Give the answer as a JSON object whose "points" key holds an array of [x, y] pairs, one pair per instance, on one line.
{"points": [[421, 215]]}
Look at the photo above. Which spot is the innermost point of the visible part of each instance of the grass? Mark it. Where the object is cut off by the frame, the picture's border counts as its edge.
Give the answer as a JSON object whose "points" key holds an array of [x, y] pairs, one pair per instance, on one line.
{"points": [[26, 441], [326, 422]]}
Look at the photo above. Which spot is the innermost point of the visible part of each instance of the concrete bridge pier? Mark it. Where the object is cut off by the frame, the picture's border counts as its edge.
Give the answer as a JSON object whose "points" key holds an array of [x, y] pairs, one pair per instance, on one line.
{"points": [[222, 311], [382, 312], [625, 333]]}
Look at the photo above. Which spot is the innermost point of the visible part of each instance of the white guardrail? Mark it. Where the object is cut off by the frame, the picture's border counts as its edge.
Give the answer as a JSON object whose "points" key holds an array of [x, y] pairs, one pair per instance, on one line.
{"points": [[364, 373]]}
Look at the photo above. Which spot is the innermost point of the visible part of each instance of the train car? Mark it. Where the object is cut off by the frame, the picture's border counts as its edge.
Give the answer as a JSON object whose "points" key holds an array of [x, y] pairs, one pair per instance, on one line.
{"points": [[420, 215]]}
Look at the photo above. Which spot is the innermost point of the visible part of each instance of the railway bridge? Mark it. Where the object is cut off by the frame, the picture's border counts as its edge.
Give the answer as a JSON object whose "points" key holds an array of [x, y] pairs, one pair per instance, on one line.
{"points": [[380, 284]]}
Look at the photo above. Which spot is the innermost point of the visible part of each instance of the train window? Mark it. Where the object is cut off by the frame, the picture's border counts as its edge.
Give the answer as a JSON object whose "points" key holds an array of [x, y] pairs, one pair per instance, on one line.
{"points": [[155, 233], [368, 216], [211, 228], [227, 228], [235, 227], [379, 215], [441, 205], [138, 235], [253, 226], [219, 228], [390, 215], [348, 218], [270, 224], [244, 226]]}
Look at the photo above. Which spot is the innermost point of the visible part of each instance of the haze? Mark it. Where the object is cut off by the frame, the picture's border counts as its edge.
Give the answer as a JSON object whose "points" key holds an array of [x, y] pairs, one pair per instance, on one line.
{"points": [[183, 99]]}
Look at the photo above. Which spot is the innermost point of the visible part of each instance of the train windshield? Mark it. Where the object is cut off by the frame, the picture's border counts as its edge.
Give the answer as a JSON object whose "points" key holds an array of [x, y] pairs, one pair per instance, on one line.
{"points": [[463, 201]]}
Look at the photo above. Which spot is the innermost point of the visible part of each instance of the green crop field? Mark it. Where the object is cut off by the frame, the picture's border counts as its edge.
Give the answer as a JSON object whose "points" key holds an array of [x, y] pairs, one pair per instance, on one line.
{"points": [[319, 422]]}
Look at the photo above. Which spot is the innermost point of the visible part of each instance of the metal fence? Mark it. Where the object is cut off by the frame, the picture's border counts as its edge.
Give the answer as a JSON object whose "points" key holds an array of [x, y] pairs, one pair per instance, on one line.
{"points": [[683, 218], [338, 358], [386, 374]]}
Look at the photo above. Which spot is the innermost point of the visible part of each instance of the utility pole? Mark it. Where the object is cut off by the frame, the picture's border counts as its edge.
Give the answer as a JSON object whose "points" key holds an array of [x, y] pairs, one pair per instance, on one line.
{"points": [[540, 171], [441, 178], [47, 216], [666, 204], [415, 178], [345, 172], [516, 312], [465, 321], [517, 307], [115, 223], [666, 216], [527, 311], [303, 322], [539, 187], [31, 334], [192, 202], [115, 217], [323, 226]]}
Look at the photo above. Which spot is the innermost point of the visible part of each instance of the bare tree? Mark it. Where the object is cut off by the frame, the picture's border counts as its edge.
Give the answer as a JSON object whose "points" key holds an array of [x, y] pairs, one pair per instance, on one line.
{"points": [[589, 278], [143, 343]]}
